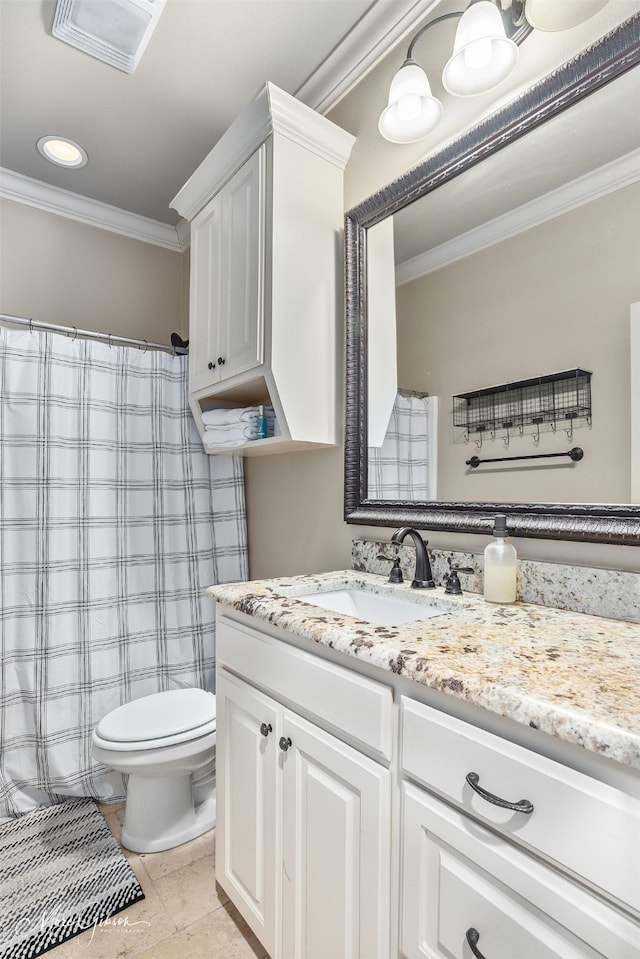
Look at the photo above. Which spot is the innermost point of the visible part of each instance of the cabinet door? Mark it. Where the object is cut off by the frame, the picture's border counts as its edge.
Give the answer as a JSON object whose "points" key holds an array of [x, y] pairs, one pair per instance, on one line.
{"points": [[336, 839], [467, 892], [240, 345], [248, 804], [206, 295]]}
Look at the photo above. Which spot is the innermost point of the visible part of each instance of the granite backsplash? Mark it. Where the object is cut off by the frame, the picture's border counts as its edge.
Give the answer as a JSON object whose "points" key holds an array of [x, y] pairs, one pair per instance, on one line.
{"points": [[614, 594]]}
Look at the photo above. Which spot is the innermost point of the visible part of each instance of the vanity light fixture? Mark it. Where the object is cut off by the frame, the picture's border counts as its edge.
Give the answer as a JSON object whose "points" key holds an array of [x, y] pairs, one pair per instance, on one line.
{"points": [[62, 151], [484, 54]]}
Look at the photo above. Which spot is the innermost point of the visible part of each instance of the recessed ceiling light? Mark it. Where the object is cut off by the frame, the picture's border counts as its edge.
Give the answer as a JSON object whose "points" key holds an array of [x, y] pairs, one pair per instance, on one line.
{"points": [[62, 151]]}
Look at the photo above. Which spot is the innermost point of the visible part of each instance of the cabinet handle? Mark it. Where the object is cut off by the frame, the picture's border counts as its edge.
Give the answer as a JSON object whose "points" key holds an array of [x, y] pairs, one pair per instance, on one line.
{"points": [[284, 743], [523, 805], [472, 937], [266, 728], [211, 366], [221, 361]]}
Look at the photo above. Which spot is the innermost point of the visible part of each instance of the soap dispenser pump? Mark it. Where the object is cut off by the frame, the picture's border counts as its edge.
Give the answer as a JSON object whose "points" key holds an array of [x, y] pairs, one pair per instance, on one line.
{"points": [[500, 559]]}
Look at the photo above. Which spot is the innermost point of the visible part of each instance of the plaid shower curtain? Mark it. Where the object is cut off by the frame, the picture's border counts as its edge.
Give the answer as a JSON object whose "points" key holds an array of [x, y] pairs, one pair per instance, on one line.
{"points": [[112, 522]]}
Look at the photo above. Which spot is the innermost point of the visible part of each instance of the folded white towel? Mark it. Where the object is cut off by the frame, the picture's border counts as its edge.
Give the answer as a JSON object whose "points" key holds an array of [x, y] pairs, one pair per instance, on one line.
{"points": [[235, 415], [213, 438]]}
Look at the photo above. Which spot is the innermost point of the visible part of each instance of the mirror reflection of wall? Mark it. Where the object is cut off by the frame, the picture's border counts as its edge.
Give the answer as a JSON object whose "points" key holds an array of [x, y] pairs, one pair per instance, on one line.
{"points": [[552, 298]]}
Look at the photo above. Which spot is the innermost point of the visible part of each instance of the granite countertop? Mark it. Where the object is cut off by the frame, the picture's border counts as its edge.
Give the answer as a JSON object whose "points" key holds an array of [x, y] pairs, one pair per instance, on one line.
{"points": [[574, 676]]}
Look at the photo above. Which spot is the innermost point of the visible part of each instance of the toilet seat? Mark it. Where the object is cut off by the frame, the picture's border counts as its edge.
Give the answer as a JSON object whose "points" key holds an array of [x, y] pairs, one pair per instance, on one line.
{"points": [[161, 719]]}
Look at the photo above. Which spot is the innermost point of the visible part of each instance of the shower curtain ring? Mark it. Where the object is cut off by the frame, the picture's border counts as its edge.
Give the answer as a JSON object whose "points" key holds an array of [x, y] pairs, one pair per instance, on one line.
{"points": [[146, 345], [109, 339], [30, 325], [75, 334]]}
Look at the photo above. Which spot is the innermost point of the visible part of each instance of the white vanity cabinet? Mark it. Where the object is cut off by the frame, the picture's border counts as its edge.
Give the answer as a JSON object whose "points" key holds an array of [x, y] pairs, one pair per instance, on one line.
{"points": [[303, 818], [471, 865], [348, 827], [266, 212]]}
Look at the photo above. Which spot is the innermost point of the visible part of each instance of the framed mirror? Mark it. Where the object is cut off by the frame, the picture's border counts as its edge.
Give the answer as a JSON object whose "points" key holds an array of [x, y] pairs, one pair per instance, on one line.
{"points": [[489, 337]]}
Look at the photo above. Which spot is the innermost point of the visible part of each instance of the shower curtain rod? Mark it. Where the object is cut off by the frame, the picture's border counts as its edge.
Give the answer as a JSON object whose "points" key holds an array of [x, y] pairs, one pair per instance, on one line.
{"points": [[92, 335]]}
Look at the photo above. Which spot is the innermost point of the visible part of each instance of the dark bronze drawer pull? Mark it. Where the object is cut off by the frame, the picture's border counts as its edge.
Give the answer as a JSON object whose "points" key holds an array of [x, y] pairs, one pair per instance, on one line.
{"points": [[523, 806], [472, 937]]}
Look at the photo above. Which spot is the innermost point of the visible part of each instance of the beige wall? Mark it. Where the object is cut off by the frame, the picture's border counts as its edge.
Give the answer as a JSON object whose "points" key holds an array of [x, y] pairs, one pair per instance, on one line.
{"points": [[295, 501], [56, 270]]}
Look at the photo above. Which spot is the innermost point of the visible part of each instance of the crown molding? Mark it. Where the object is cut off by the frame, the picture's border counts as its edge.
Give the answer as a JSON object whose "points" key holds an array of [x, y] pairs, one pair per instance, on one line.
{"points": [[382, 27], [52, 199], [606, 179], [272, 111]]}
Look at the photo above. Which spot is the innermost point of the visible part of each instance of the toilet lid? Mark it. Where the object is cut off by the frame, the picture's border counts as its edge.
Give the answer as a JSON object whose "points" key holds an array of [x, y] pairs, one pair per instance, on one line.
{"points": [[159, 715]]}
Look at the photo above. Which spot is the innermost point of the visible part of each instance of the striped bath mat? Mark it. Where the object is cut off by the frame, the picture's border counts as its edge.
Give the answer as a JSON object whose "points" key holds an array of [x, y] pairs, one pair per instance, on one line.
{"points": [[61, 872]]}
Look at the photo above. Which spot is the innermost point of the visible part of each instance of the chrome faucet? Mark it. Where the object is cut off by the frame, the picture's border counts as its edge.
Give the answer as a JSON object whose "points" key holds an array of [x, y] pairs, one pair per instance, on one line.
{"points": [[423, 577]]}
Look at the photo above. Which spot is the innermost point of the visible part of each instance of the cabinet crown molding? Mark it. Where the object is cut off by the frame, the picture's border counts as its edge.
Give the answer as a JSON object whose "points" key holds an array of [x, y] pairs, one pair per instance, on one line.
{"points": [[271, 111]]}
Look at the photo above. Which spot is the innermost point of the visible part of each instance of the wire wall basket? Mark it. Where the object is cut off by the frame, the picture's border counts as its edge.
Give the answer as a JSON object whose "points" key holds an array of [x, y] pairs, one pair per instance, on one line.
{"points": [[553, 398]]}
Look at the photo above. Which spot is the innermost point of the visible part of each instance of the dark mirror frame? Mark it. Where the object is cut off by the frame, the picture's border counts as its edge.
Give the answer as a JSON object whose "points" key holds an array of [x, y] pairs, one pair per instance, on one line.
{"points": [[596, 66]]}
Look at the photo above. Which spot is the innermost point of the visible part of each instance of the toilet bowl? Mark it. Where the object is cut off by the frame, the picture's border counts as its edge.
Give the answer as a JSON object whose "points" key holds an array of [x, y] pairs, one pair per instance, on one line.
{"points": [[166, 744]]}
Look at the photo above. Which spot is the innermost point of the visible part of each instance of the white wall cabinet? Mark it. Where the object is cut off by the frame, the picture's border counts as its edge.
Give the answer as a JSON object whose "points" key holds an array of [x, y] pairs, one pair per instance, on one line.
{"points": [[363, 837], [266, 211], [303, 830]]}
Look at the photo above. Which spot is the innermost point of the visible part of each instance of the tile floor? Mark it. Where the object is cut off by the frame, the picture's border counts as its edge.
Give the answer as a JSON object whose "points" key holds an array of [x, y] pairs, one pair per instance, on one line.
{"points": [[184, 913]]}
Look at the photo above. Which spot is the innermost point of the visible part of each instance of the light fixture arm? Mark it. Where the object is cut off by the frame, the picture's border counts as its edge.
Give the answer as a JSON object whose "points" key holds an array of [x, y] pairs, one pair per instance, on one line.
{"points": [[432, 23]]}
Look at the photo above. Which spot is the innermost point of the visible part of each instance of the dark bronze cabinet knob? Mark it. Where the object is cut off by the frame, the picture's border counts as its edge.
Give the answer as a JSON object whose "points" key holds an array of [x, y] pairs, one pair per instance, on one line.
{"points": [[221, 361], [266, 728], [211, 366], [284, 743]]}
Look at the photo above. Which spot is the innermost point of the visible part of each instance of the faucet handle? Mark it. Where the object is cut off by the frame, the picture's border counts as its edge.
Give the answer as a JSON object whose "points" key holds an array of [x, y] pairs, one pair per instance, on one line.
{"points": [[395, 576], [453, 587]]}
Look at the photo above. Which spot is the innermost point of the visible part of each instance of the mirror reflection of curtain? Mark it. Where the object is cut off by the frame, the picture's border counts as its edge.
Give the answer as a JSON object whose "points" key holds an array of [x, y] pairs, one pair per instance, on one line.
{"points": [[405, 466]]}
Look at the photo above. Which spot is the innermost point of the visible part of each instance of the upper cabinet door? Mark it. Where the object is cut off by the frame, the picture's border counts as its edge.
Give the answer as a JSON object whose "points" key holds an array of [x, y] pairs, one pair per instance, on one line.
{"points": [[227, 277], [241, 325], [206, 294]]}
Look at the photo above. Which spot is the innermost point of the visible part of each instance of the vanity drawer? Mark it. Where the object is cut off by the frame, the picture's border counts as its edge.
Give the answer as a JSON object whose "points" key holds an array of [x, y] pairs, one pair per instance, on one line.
{"points": [[456, 879], [587, 827], [356, 708]]}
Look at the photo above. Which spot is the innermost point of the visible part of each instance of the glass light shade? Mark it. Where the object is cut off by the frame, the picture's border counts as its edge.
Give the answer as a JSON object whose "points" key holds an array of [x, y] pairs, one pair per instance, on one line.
{"points": [[61, 151], [551, 15], [482, 53], [412, 111]]}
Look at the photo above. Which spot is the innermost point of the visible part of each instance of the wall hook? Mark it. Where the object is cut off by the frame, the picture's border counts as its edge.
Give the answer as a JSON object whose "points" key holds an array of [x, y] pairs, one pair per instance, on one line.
{"points": [[506, 439], [466, 434], [493, 433], [478, 443], [569, 432]]}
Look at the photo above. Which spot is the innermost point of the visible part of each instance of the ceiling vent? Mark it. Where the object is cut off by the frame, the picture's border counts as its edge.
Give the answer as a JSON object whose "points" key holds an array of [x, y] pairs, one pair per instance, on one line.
{"points": [[115, 31]]}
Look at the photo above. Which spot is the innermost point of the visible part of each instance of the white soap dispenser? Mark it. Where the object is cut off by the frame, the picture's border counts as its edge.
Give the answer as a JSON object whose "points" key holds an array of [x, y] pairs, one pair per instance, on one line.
{"points": [[500, 560]]}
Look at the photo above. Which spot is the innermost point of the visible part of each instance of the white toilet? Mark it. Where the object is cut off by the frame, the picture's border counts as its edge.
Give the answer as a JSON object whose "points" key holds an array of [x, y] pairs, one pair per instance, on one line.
{"points": [[166, 744]]}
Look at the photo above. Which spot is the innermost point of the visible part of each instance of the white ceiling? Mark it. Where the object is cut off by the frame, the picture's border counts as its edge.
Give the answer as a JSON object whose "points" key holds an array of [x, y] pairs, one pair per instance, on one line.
{"points": [[145, 133]]}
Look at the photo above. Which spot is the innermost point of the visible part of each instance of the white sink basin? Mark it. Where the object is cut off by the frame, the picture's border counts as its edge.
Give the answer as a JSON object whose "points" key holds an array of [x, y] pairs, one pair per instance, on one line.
{"points": [[373, 607]]}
